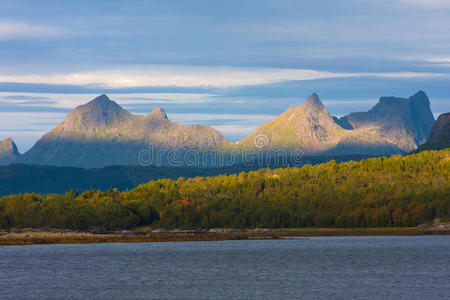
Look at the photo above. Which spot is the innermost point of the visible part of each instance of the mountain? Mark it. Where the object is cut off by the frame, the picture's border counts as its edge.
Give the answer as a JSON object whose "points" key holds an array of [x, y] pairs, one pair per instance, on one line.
{"points": [[405, 123], [439, 135], [8, 151], [309, 127], [102, 133], [393, 126]]}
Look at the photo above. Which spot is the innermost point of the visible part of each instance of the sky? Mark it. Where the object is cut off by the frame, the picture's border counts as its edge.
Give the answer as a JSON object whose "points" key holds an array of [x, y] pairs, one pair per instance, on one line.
{"points": [[229, 64]]}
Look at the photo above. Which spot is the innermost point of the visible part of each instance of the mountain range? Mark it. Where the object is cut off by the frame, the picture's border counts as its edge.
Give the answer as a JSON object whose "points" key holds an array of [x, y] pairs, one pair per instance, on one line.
{"points": [[102, 133], [392, 126]]}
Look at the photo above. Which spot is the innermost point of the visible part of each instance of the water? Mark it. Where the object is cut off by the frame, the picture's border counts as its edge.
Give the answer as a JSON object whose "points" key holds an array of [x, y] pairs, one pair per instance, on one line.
{"points": [[321, 267]]}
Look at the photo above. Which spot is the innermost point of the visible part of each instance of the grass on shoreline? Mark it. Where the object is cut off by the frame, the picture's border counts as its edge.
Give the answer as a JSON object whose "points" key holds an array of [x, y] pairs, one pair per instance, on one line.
{"points": [[373, 229], [62, 237]]}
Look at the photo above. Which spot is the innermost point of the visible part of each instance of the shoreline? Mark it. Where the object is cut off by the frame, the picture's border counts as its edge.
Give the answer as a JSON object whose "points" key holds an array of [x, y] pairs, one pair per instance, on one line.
{"points": [[42, 237]]}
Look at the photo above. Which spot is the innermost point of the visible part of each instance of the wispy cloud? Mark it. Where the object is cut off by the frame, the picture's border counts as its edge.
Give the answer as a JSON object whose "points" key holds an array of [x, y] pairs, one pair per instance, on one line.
{"points": [[233, 126], [69, 101], [428, 3], [439, 60], [193, 76], [344, 31], [16, 30], [27, 127]]}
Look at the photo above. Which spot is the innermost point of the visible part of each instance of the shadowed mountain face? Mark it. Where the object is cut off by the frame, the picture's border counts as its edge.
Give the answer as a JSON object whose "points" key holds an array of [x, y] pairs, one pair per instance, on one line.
{"points": [[440, 134], [8, 151], [101, 133], [405, 123]]}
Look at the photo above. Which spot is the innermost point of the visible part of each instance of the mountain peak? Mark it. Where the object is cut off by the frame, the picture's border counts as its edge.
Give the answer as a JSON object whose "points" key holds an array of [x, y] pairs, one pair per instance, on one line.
{"points": [[97, 113], [422, 116], [101, 99], [308, 127], [158, 112], [100, 103], [8, 151], [8, 146], [314, 101], [419, 98], [406, 121], [420, 93]]}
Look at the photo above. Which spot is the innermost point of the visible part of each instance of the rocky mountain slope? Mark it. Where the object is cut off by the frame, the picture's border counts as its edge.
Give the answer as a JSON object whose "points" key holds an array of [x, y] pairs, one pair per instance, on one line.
{"points": [[439, 135], [8, 151], [101, 133], [393, 126], [405, 123], [308, 127]]}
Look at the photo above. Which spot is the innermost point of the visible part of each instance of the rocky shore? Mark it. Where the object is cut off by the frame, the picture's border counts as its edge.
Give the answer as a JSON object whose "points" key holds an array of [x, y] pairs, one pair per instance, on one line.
{"points": [[51, 236], [436, 224]]}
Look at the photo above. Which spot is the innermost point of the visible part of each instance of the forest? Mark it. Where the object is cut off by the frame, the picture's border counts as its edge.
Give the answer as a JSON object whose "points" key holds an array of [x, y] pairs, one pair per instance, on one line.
{"points": [[24, 178], [375, 192]]}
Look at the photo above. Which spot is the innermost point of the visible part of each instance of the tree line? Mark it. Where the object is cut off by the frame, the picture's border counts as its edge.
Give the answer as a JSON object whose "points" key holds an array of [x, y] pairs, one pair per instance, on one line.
{"points": [[376, 192]]}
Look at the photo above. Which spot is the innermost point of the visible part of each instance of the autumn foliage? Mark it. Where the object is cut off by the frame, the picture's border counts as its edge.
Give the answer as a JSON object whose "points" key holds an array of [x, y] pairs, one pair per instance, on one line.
{"points": [[377, 192]]}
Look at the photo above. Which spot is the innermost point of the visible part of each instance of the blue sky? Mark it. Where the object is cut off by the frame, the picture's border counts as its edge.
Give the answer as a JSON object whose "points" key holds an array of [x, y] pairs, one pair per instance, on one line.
{"points": [[230, 64]]}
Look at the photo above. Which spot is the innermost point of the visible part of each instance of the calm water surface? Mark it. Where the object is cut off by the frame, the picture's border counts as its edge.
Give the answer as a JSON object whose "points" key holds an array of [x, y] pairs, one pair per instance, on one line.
{"points": [[321, 267]]}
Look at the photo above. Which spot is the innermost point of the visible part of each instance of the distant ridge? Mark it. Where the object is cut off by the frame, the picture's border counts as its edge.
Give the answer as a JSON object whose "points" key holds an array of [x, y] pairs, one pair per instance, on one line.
{"points": [[25, 178], [393, 126], [101, 133]]}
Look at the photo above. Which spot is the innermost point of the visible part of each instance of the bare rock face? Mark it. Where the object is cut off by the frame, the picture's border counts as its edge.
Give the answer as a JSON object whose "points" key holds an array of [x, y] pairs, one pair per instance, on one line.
{"points": [[93, 117], [403, 122], [8, 151], [439, 135], [393, 126], [436, 224], [309, 127], [102, 133]]}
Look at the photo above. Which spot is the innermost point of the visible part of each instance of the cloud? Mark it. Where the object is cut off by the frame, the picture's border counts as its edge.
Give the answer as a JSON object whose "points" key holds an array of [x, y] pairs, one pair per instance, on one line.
{"points": [[195, 118], [192, 76], [14, 31], [345, 32], [233, 126], [439, 60], [20, 100], [427, 3], [349, 102], [18, 124], [163, 98], [24, 97], [64, 102]]}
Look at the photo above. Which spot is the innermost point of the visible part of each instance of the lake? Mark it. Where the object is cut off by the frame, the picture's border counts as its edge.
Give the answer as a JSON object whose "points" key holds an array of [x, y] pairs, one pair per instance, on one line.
{"points": [[388, 267]]}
